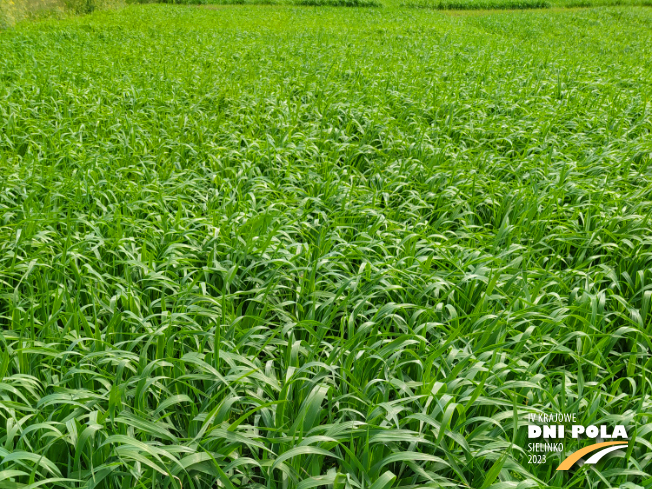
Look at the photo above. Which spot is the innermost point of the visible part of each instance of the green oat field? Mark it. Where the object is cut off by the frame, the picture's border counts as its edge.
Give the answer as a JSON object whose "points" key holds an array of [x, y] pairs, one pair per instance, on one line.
{"points": [[287, 247]]}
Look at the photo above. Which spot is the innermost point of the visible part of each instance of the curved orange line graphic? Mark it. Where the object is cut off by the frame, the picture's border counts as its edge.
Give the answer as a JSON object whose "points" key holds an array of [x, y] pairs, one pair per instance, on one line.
{"points": [[575, 456]]}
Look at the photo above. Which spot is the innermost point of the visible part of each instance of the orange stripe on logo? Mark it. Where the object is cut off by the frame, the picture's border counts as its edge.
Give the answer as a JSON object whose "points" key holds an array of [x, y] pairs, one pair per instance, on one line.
{"points": [[575, 456]]}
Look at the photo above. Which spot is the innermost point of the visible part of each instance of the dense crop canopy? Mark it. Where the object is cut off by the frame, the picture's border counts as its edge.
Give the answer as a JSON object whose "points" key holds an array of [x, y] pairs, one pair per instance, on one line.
{"points": [[289, 247]]}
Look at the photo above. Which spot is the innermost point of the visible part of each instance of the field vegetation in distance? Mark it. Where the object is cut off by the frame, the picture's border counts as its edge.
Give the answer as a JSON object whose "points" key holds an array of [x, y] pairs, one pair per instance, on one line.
{"points": [[294, 247]]}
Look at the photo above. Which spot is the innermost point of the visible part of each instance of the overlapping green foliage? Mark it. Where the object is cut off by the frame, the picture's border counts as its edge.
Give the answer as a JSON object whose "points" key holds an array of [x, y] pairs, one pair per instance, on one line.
{"points": [[291, 248], [479, 4]]}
